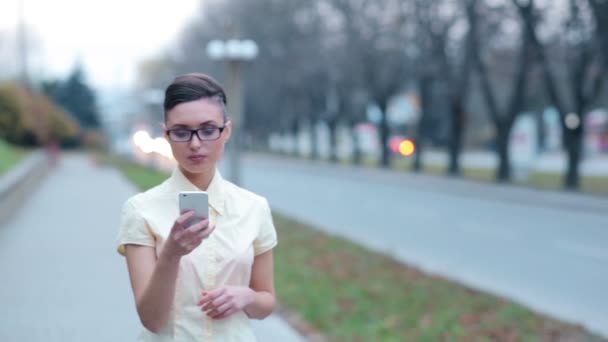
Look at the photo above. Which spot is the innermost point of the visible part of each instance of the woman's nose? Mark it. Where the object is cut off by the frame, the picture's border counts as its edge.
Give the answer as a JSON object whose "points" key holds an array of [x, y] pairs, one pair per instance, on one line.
{"points": [[195, 142]]}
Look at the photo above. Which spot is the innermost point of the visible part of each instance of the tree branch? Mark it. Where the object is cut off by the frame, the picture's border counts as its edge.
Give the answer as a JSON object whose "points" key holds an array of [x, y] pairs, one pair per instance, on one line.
{"points": [[548, 74], [486, 86]]}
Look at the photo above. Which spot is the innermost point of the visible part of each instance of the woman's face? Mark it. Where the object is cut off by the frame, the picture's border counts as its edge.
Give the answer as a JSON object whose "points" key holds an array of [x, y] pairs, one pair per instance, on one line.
{"points": [[195, 155]]}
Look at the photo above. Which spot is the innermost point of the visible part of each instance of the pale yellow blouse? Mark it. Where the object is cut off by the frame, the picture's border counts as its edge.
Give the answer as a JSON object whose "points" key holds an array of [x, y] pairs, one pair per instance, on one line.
{"points": [[244, 229]]}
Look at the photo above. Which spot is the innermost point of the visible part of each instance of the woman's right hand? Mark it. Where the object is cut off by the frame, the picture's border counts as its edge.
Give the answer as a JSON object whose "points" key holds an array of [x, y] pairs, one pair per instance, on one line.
{"points": [[183, 239]]}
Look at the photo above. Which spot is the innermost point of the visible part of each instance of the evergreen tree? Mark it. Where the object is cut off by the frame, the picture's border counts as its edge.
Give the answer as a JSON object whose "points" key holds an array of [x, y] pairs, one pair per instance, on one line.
{"points": [[76, 97]]}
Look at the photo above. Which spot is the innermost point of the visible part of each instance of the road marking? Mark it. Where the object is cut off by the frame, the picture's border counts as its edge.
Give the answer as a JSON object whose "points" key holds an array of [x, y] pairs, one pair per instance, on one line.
{"points": [[582, 250]]}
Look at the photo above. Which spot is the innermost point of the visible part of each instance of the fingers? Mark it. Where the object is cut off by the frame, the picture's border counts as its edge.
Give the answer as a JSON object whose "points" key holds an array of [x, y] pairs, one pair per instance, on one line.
{"points": [[227, 313], [199, 232], [211, 295], [193, 232], [186, 238], [187, 235], [203, 234], [216, 303], [219, 303], [199, 226], [220, 310], [183, 219], [196, 235]]}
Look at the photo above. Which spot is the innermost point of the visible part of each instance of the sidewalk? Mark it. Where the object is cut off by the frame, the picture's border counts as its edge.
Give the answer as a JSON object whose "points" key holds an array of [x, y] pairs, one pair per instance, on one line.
{"points": [[61, 277]]}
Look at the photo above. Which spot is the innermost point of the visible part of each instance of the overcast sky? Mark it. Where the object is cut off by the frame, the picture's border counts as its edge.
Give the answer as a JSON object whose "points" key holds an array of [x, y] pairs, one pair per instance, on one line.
{"points": [[108, 36]]}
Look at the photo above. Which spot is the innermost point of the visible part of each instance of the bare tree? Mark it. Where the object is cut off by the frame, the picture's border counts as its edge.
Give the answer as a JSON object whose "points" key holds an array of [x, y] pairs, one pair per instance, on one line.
{"points": [[439, 64], [459, 79], [585, 76], [504, 118], [376, 33], [343, 96], [354, 100], [326, 60]]}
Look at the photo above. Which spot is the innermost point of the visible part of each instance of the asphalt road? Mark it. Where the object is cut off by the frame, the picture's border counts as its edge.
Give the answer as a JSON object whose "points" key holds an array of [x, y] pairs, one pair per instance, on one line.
{"points": [[547, 250]]}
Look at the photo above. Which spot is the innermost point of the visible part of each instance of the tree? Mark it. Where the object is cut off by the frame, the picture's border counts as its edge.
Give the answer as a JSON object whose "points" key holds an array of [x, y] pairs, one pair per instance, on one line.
{"points": [[458, 76], [29, 118], [504, 118], [439, 63], [375, 32], [585, 75], [280, 82], [76, 97]]}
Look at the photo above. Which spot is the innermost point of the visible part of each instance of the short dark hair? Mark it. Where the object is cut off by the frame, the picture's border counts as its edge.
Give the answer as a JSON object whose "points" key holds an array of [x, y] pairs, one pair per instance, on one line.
{"points": [[192, 87]]}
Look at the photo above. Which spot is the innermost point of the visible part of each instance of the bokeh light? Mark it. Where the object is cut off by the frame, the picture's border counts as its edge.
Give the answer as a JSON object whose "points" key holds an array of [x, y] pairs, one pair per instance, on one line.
{"points": [[147, 144], [407, 148]]}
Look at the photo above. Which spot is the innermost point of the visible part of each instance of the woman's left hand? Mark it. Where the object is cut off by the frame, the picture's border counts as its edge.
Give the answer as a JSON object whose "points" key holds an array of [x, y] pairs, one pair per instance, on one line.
{"points": [[225, 301]]}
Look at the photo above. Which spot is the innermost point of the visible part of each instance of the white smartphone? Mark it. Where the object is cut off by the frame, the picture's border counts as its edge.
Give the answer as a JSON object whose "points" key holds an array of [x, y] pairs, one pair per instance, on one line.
{"points": [[197, 201]]}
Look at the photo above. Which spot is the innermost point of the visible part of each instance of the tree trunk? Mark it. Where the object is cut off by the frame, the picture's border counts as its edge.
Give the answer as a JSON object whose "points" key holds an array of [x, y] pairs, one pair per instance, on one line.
{"points": [[385, 160], [424, 89], [295, 130], [314, 140], [417, 167], [357, 155], [575, 149], [285, 132], [574, 139], [457, 127], [333, 154], [503, 173], [541, 131]]}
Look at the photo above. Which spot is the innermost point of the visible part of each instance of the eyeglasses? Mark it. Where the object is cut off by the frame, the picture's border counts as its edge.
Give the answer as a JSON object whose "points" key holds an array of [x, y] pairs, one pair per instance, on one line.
{"points": [[204, 134]]}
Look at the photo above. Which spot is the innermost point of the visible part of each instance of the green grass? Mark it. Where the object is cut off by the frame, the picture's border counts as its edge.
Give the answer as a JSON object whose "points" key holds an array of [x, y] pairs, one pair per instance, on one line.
{"points": [[350, 293], [143, 177], [353, 294], [9, 156]]}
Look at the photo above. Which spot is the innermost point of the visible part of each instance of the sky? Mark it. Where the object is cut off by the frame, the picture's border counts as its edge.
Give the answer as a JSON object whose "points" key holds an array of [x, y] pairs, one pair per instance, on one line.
{"points": [[109, 37]]}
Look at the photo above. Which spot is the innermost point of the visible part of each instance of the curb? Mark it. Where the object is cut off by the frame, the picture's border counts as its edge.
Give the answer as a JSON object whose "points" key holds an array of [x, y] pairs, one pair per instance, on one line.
{"points": [[19, 181]]}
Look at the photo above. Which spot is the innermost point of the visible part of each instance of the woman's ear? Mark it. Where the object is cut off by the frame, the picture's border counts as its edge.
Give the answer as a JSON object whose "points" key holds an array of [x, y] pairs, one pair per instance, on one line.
{"points": [[227, 131]]}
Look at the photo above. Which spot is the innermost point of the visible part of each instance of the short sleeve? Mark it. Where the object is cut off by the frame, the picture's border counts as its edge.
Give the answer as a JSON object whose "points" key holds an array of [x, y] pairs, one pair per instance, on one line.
{"points": [[133, 229], [267, 235]]}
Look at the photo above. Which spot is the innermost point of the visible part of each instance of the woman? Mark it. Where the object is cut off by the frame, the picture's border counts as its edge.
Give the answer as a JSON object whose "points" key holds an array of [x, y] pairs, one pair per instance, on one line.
{"points": [[201, 282]]}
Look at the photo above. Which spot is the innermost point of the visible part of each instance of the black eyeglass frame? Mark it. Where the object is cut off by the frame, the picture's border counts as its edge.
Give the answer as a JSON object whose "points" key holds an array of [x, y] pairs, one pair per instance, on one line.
{"points": [[193, 132]]}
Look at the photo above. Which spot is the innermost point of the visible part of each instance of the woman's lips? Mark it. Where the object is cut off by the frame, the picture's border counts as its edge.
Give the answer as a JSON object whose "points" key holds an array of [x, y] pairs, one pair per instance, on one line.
{"points": [[197, 158]]}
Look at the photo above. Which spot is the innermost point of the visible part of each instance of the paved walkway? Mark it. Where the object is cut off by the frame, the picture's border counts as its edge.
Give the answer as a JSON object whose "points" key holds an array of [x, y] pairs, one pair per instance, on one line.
{"points": [[62, 279]]}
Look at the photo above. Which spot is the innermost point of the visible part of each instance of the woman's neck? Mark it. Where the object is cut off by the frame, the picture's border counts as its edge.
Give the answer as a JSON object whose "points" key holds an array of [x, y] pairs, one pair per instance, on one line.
{"points": [[201, 179]]}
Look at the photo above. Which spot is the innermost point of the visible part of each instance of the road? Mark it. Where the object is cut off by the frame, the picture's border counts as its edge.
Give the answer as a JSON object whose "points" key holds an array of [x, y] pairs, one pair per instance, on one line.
{"points": [[547, 250], [61, 277]]}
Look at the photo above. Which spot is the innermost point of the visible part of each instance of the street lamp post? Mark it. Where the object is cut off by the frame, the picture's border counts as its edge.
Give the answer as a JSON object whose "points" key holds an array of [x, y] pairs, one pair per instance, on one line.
{"points": [[234, 52]]}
